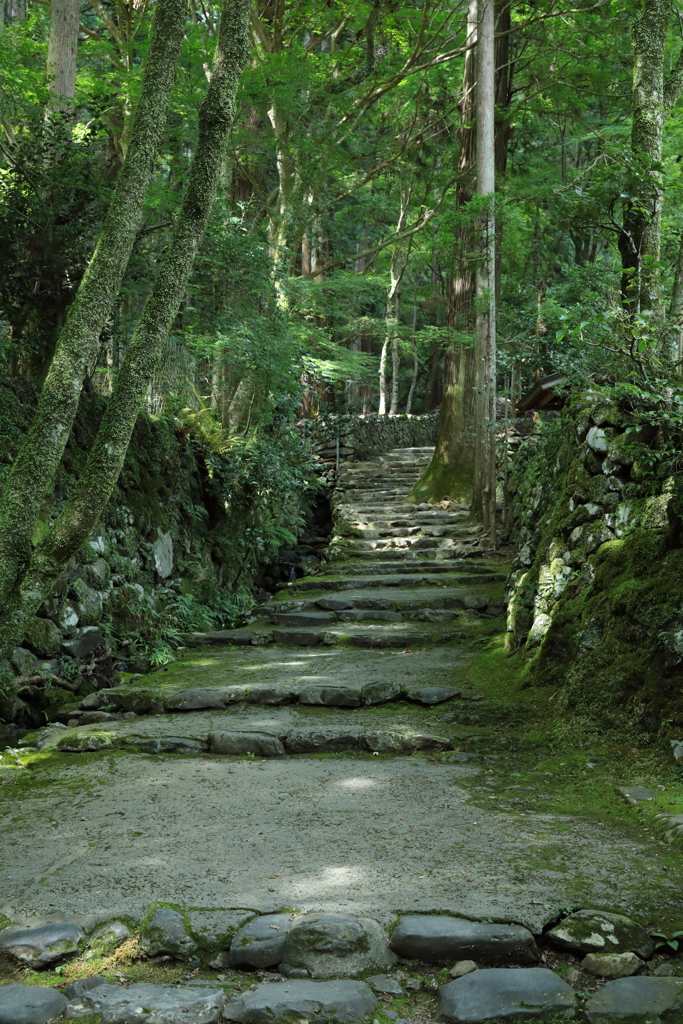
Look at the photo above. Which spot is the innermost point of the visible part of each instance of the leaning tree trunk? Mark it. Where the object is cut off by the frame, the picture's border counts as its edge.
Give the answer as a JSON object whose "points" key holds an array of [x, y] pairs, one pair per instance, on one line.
{"points": [[94, 487], [32, 476], [93, 490]]}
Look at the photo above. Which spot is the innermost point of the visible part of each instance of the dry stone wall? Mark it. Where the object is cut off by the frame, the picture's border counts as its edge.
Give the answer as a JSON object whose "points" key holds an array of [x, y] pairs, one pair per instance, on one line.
{"points": [[362, 437], [595, 599]]}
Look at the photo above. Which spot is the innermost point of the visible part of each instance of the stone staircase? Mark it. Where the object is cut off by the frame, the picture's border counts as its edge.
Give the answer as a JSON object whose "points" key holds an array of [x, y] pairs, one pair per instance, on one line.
{"points": [[389, 564], [331, 757]]}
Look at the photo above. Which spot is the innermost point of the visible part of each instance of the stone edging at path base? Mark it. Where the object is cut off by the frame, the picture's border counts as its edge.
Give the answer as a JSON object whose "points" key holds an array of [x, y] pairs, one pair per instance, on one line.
{"points": [[331, 948], [242, 742]]}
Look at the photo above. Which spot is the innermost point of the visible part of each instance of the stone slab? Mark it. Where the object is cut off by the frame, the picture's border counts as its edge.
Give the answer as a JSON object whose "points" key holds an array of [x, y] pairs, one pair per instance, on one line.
{"points": [[308, 741], [30, 1004], [165, 933], [241, 743], [636, 794], [439, 939], [262, 942], [611, 965], [44, 945], [636, 1001], [431, 694], [215, 928], [198, 697], [331, 696], [500, 994], [339, 1001], [153, 1004]]}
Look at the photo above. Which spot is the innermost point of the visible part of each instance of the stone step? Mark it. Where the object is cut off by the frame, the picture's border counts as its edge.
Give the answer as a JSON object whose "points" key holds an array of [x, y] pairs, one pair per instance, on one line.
{"points": [[381, 520], [466, 549], [413, 562], [401, 542], [387, 636], [389, 580], [367, 532]]}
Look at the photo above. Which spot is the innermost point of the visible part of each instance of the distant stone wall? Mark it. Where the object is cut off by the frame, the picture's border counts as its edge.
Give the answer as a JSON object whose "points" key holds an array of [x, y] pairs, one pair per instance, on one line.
{"points": [[362, 437]]}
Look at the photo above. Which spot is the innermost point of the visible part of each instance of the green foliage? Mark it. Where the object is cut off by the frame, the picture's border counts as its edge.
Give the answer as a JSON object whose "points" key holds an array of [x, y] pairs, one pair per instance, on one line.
{"points": [[666, 944]]}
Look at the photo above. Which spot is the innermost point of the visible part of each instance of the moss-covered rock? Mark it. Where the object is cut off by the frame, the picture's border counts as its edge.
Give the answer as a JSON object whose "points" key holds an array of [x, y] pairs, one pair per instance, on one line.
{"points": [[597, 931]]}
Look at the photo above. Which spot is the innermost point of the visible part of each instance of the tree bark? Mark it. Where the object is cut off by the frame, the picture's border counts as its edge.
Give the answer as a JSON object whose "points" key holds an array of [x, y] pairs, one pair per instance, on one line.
{"points": [[484, 495], [32, 475], [397, 266], [676, 311], [89, 497], [416, 360], [640, 236], [395, 358], [62, 48], [451, 470]]}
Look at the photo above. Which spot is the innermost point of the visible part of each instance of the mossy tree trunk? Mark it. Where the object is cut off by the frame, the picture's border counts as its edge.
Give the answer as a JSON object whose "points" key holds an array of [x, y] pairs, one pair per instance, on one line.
{"points": [[654, 95], [33, 473], [451, 470], [93, 490]]}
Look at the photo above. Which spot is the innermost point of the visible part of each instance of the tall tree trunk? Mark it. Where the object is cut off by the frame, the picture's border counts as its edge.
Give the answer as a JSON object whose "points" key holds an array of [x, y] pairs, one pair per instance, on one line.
{"points": [[62, 48], [640, 236], [451, 470], [93, 490], [484, 495], [676, 312], [416, 361], [382, 373], [32, 476], [395, 357], [397, 266]]}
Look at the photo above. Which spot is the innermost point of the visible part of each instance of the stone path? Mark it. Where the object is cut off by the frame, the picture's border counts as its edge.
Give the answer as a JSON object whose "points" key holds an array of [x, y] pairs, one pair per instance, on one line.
{"points": [[331, 757]]}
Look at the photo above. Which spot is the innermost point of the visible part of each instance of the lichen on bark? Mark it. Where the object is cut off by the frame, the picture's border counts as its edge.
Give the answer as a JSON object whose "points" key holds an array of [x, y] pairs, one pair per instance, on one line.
{"points": [[90, 496], [32, 475]]}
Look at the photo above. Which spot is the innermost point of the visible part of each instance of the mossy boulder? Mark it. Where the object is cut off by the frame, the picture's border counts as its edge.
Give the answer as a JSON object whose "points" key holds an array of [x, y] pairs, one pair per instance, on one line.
{"points": [[165, 932], [106, 939], [337, 946], [81, 743], [43, 637], [598, 931]]}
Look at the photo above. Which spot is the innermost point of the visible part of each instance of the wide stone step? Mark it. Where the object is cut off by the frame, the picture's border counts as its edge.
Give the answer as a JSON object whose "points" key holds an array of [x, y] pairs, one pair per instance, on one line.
{"points": [[412, 562], [302, 691], [463, 550], [363, 532], [342, 583], [381, 636], [403, 542], [381, 521]]}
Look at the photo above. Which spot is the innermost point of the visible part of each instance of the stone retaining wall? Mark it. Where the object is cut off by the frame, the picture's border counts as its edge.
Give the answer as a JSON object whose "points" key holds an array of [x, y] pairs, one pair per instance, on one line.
{"points": [[596, 592], [361, 437]]}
